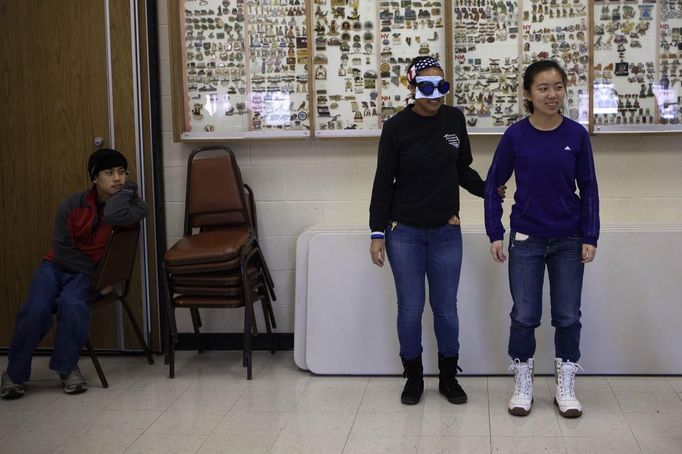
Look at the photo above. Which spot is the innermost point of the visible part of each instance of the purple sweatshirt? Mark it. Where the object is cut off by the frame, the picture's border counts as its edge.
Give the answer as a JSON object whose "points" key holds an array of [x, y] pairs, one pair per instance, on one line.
{"points": [[547, 165]]}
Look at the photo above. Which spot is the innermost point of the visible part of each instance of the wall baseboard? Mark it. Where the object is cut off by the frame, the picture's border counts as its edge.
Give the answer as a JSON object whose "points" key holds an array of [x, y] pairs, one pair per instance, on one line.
{"points": [[187, 341], [233, 341]]}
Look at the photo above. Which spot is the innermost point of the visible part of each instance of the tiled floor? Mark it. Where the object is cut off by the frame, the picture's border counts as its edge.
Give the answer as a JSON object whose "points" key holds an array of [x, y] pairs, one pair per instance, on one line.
{"points": [[210, 407]]}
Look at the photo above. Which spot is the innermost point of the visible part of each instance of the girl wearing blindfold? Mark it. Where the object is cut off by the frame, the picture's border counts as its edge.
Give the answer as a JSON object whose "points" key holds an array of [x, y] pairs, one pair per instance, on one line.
{"points": [[424, 157]]}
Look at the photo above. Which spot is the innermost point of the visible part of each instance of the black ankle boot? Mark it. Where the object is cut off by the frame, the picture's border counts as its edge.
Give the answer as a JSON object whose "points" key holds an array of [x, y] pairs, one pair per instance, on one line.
{"points": [[448, 385], [414, 387]]}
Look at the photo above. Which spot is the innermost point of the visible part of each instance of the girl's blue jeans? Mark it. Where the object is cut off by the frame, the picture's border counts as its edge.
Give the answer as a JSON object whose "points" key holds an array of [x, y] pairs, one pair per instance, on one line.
{"points": [[527, 261], [435, 254]]}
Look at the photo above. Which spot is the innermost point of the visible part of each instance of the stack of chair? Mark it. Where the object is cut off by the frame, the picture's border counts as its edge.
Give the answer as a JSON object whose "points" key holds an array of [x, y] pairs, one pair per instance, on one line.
{"points": [[218, 263]]}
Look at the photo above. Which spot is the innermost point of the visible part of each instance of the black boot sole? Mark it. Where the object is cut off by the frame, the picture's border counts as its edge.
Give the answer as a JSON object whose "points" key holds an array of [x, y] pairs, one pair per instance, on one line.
{"points": [[456, 400], [409, 400]]}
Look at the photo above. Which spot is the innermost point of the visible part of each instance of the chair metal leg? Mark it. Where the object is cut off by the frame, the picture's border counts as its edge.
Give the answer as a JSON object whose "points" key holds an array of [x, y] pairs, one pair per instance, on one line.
{"points": [[264, 305], [172, 337], [138, 332], [248, 355], [254, 323], [95, 362], [171, 357], [248, 321], [268, 277], [268, 307], [196, 323], [267, 302]]}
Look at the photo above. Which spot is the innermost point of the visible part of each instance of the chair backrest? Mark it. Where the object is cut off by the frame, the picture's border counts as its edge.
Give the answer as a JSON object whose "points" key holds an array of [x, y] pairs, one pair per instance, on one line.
{"points": [[215, 191], [118, 261]]}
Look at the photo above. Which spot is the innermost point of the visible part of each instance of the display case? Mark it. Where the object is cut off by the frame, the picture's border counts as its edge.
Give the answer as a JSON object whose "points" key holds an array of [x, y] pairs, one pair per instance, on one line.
{"points": [[408, 29], [243, 68], [345, 67], [266, 69], [486, 36], [668, 92], [494, 42], [361, 53], [559, 30], [636, 68]]}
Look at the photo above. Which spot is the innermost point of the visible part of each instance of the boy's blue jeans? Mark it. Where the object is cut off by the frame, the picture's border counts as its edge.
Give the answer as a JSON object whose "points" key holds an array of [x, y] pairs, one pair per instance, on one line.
{"points": [[52, 291], [527, 261], [415, 253]]}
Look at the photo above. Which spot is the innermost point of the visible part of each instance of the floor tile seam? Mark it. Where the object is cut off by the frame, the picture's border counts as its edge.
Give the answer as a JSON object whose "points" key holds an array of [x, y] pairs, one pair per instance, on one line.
{"points": [[240, 393], [355, 417], [300, 397], [488, 409], [65, 442], [208, 437], [626, 390], [279, 432], [636, 440], [145, 431], [127, 411], [672, 385], [136, 381], [76, 436], [631, 432], [615, 395], [213, 431], [421, 426], [137, 438]]}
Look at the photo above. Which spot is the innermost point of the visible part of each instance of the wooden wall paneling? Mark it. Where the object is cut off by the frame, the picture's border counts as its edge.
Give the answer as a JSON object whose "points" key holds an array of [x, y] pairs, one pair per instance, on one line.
{"points": [[53, 98], [176, 44]]}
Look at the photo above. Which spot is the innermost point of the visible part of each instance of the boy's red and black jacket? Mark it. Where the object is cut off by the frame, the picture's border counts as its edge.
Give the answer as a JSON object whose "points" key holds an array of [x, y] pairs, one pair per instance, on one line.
{"points": [[82, 226]]}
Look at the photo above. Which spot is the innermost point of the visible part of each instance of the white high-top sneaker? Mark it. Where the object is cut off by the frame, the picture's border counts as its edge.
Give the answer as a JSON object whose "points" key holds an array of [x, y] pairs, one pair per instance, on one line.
{"points": [[564, 396], [521, 401]]}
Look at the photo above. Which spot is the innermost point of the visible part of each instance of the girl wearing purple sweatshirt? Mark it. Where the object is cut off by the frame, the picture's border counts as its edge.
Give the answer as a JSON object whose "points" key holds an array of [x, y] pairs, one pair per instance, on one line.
{"points": [[551, 226]]}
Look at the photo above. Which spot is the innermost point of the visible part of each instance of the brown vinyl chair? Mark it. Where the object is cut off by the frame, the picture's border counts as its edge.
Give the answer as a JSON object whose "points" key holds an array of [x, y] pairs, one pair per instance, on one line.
{"points": [[218, 262], [115, 270]]}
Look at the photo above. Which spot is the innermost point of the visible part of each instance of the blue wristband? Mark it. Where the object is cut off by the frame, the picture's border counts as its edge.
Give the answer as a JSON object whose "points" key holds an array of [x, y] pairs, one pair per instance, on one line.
{"points": [[377, 235]]}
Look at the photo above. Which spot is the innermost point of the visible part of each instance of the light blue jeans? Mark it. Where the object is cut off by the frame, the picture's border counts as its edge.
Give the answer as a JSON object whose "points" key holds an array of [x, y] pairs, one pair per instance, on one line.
{"points": [[417, 253]]}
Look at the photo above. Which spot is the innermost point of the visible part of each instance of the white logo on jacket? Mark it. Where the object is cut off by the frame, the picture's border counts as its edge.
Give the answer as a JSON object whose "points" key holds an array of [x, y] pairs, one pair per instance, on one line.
{"points": [[452, 139]]}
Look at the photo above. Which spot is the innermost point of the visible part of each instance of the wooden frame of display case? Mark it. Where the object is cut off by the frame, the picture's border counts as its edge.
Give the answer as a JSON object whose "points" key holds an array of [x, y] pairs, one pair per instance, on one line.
{"points": [[227, 86], [349, 65]]}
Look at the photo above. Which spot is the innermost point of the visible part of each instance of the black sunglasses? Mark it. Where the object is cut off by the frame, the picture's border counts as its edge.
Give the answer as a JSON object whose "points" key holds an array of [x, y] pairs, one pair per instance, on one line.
{"points": [[427, 87]]}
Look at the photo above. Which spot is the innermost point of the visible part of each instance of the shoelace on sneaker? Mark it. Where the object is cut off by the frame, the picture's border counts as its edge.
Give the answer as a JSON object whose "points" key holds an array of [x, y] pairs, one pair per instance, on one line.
{"points": [[78, 374], [74, 377], [567, 372], [523, 379]]}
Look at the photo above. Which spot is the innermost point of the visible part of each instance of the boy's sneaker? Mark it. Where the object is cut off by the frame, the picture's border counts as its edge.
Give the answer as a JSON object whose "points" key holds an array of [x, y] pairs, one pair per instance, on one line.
{"points": [[9, 389], [564, 396], [521, 401], [74, 382]]}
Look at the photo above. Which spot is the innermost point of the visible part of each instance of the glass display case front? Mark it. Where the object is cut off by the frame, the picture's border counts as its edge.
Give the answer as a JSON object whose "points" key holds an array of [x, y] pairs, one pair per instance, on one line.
{"points": [[325, 68]]}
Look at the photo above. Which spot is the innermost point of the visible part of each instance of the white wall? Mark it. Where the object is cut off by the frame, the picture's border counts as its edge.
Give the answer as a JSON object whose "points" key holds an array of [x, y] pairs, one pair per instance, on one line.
{"points": [[302, 182]]}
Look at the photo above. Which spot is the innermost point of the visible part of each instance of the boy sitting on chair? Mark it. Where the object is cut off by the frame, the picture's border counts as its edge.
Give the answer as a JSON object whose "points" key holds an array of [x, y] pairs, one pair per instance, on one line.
{"points": [[62, 284]]}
